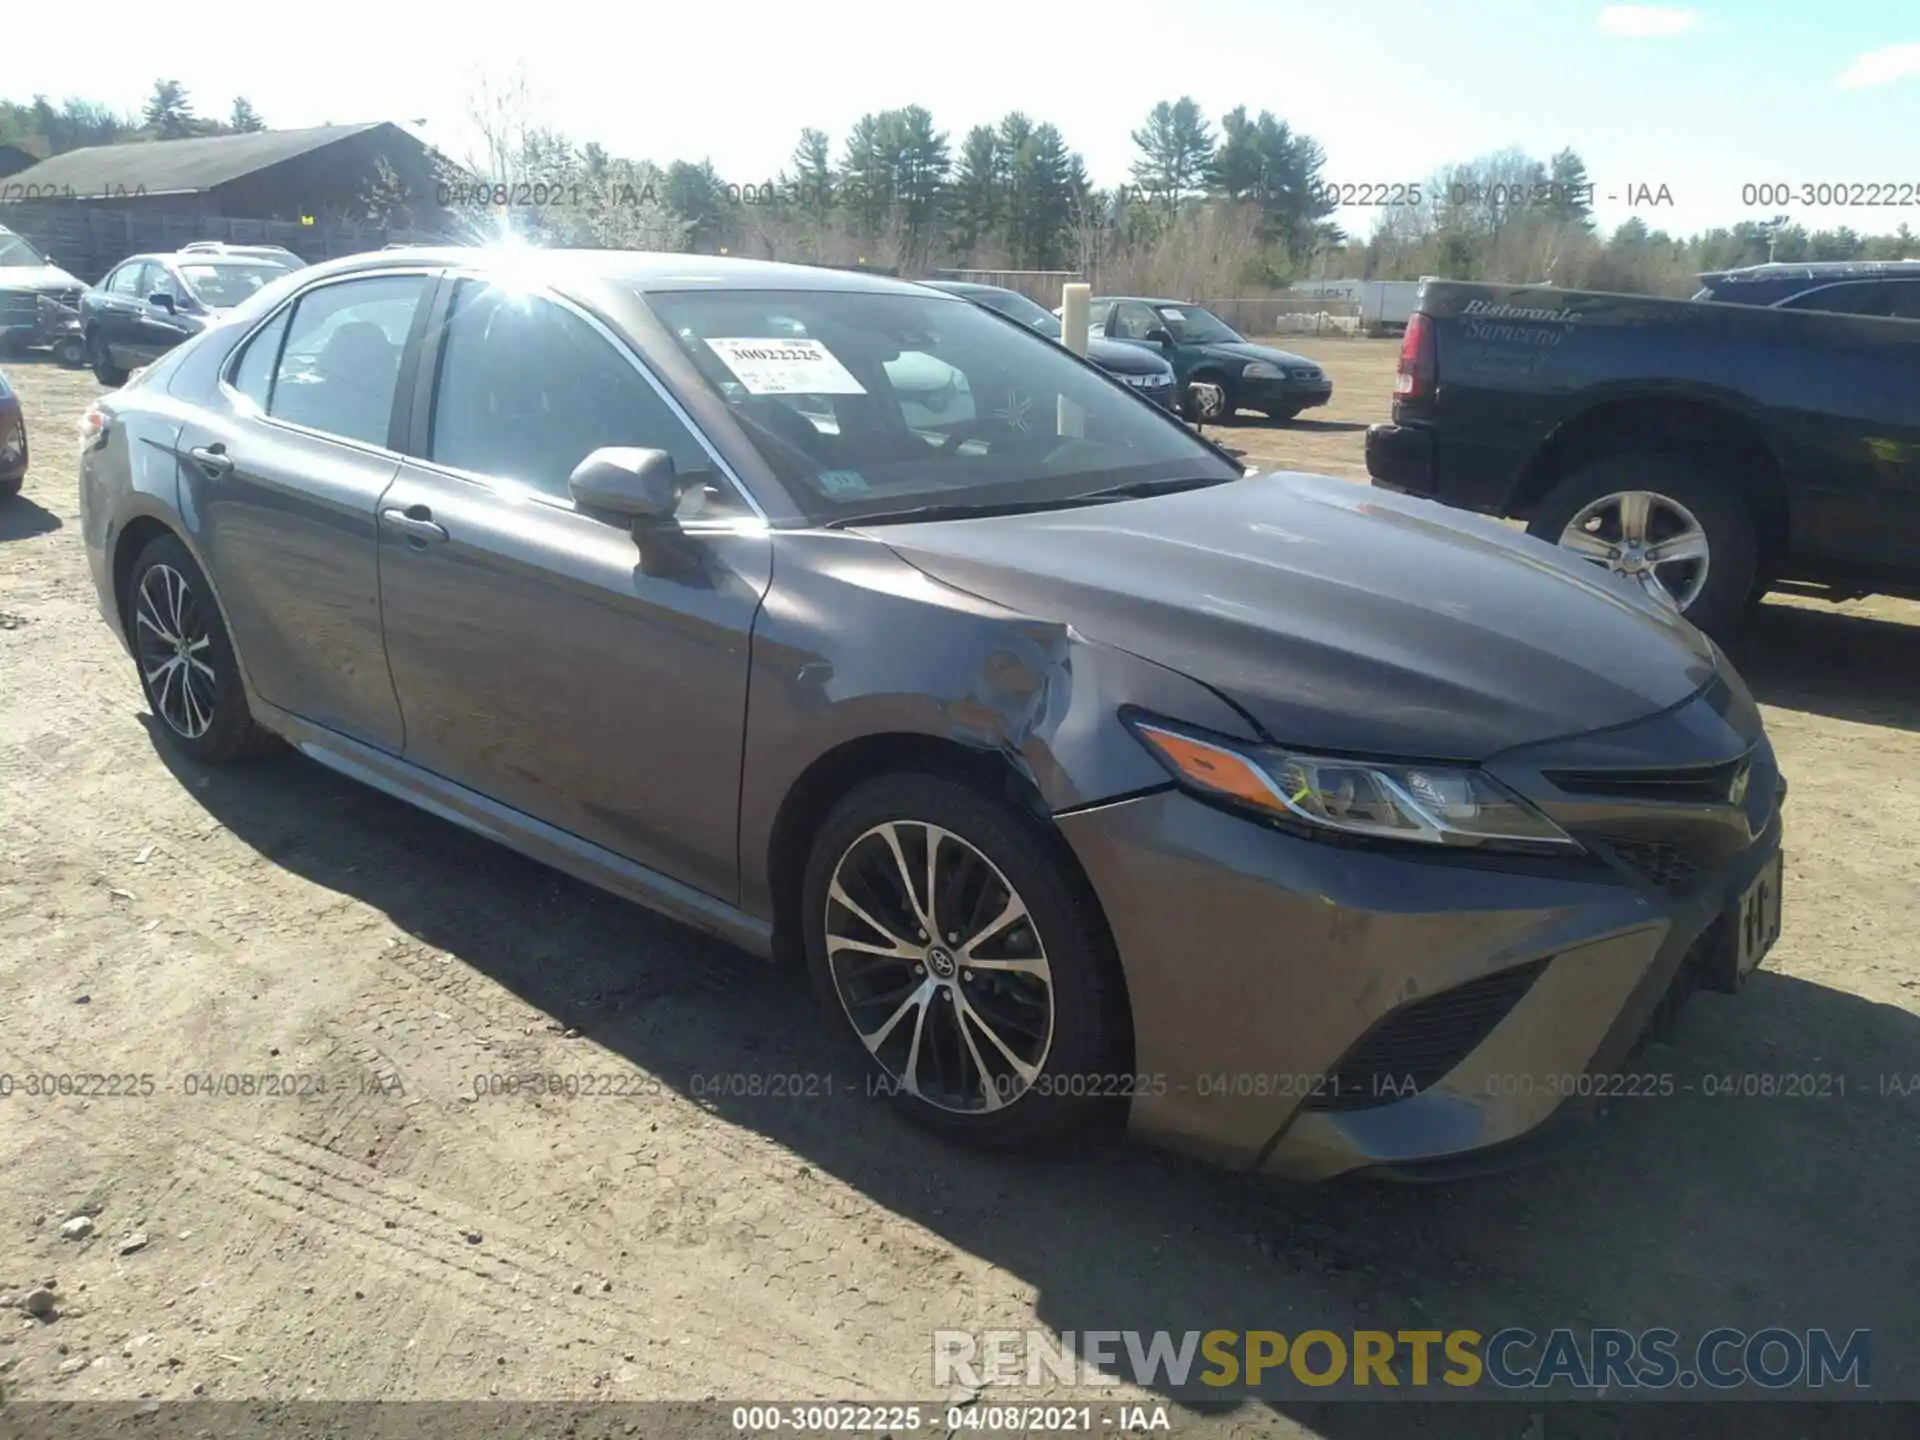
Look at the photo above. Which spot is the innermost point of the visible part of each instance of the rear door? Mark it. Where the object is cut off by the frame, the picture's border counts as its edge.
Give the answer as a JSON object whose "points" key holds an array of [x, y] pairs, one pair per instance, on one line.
{"points": [[282, 474], [536, 660]]}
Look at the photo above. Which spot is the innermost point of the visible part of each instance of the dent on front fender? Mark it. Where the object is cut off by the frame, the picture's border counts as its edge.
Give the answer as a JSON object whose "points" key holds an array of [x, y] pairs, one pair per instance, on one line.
{"points": [[852, 642]]}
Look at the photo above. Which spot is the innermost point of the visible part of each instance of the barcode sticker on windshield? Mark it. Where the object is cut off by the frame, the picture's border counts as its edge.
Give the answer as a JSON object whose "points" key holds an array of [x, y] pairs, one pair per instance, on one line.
{"points": [[1171, 313], [770, 366]]}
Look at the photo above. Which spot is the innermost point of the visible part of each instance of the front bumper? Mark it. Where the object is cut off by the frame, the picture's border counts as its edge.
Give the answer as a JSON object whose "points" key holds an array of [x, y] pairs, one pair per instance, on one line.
{"points": [[1283, 394], [37, 320], [1266, 972]]}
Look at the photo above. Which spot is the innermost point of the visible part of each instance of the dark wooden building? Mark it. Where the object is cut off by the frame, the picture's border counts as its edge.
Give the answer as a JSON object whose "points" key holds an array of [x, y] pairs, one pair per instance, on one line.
{"points": [[327, 174]]}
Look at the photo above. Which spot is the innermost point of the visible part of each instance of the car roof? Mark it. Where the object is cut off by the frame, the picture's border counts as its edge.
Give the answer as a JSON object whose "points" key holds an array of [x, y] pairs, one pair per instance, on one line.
{"points": [[648, 271], [1138, 300]]}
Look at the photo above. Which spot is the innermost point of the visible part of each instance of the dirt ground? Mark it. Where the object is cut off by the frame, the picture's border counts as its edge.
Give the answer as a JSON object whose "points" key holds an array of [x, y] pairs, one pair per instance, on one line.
{"points": [[401, 1236]]}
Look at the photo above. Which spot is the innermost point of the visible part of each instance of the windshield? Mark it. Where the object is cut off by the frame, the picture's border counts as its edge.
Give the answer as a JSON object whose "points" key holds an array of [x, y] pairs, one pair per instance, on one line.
{"points": [[224, 283], [1015, 306], [15, 251], [1193, 325], [863, 403]]}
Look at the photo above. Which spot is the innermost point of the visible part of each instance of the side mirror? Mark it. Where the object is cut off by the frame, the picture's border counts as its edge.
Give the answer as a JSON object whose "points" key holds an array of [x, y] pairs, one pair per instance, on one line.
{"points": [[625, 480], [162, 299], [1161, 336]]}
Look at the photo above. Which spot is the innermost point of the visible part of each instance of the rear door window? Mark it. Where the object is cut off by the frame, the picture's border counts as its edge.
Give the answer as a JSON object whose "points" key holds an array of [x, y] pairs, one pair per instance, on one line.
{"points": [[341, 363]]}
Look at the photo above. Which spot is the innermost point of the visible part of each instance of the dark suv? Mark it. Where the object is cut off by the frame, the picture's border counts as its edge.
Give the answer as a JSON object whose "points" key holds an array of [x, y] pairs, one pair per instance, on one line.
{"points": [[147, 304]]}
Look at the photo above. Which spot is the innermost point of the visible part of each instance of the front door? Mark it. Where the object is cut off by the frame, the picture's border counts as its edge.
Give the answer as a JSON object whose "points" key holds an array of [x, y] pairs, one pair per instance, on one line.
{"points": [[536, 662], [281, 479]]}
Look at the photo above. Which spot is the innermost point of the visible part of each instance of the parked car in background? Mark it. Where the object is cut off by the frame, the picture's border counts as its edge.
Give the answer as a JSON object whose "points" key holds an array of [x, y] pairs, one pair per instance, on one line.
{"points": [[37, 297], [1083, 773], [147, 304], [1202, 347], [1709, 452], [1132, 365], [1850, 287], [13, 440]]}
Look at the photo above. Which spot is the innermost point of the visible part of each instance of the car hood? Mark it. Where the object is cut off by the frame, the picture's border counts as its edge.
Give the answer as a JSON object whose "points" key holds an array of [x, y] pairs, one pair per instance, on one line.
{"points": [[1242, 350], [1336, 616], [1124, 359], [40, 278]]}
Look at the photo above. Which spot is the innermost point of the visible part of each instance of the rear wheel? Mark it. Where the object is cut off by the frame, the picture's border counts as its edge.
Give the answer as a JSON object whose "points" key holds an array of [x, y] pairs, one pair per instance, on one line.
{"points": [[1666, 523], [185, 660], [964, 961], [104, 370]]}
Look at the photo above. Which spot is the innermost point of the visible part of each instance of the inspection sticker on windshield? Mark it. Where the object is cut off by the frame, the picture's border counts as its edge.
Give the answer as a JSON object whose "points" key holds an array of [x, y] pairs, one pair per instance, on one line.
{"points": [[1171, 312], [771, 366]]}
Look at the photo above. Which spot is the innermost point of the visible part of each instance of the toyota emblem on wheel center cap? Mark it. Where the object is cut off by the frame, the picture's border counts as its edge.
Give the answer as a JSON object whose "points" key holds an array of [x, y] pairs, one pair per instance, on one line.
{"points": [[940, 963]]}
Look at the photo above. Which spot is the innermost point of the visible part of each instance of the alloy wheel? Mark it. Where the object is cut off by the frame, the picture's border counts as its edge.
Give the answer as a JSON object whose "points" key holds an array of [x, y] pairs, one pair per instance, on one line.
{"points": [[1651, 539], [172, 641], [939, 966]]}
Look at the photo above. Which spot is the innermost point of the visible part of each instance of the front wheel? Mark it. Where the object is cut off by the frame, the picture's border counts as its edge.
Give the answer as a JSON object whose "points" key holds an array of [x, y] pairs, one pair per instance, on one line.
{"points": [[70, 351], [186, 662], [1281, 416], [964, 961], [1663, 522], [104, 370]]}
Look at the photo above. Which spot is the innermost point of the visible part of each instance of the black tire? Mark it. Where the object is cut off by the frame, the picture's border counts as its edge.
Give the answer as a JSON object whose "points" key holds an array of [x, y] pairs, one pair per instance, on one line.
{"points": [[70, 352], [1281, 417], [11, 488], [104, 370], [1733, 551], [1087, 1042], [230, 732]]}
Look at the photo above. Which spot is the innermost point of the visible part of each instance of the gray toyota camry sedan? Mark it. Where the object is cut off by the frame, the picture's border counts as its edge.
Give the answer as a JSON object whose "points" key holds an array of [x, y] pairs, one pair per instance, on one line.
{"points": [[1315, 828]]}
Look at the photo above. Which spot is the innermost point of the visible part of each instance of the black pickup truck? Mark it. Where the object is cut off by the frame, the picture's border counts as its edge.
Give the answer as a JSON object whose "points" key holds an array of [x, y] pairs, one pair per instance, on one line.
{"points": [[1763, 435]]}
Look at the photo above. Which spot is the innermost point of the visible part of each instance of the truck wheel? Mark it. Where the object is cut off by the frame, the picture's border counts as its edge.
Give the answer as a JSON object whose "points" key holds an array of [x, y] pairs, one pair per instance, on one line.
{"points": [[1664, 522]]}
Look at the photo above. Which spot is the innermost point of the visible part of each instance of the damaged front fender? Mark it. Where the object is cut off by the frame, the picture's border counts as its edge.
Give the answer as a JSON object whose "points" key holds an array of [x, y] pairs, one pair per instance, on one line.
{"points": [[852, 645]]}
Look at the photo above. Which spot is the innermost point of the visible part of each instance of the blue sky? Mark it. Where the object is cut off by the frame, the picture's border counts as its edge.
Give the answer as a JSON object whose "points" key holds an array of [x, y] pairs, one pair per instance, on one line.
{"points": [[1702, 99]]}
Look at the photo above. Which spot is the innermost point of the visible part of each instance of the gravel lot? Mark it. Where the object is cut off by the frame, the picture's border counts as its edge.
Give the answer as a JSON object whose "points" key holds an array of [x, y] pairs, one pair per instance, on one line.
{"points": [[399, 1236]]}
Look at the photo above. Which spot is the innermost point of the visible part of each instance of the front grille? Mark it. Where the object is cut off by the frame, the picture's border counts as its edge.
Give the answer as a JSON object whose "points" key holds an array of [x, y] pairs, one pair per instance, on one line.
{"points": [[1698, 785], [1411, 1049], [1306, 375], [1665, 867]]}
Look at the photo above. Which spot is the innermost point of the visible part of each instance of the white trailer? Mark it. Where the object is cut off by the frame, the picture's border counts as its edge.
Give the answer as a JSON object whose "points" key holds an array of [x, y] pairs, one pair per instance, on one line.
{"points": [[1381, 307]]}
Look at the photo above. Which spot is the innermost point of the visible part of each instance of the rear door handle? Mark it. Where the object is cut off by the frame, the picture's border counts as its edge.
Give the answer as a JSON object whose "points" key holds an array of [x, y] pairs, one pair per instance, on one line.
{"points": [[213, 459], [416, 522]]}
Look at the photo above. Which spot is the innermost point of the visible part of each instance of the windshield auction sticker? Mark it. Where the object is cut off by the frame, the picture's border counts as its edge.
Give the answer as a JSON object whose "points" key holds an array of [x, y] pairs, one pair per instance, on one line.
{"points": [[785, 367]]}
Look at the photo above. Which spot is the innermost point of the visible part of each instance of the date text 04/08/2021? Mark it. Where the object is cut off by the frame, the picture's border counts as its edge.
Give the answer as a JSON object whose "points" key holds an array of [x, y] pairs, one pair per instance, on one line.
{"points": [[985, 1419]]}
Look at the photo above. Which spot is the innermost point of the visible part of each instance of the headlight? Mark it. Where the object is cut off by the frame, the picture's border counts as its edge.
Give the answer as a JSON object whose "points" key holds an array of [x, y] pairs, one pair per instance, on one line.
{"points": [[1261, 370], [1389, 800]]}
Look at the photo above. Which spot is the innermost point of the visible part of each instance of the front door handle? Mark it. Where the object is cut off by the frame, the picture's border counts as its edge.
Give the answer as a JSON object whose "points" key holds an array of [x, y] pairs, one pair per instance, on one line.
{"points": [[416, 522], [213, 459]]}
